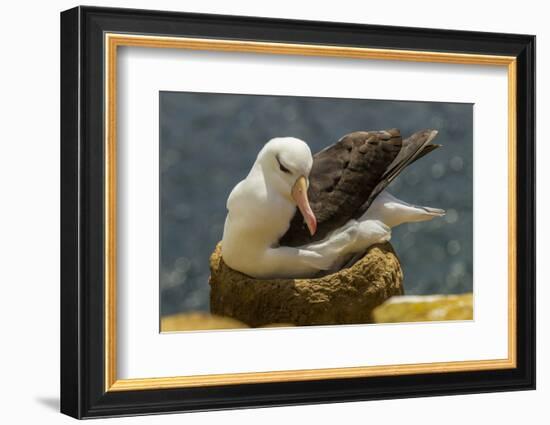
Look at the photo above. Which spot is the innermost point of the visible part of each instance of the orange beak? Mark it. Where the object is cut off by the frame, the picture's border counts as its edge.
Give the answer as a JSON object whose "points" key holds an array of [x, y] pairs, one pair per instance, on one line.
{"points": [[299, 194]]}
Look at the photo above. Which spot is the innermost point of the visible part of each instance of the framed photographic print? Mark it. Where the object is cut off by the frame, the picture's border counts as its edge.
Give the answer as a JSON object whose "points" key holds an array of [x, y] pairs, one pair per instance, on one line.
{"points": [[261, 212]]}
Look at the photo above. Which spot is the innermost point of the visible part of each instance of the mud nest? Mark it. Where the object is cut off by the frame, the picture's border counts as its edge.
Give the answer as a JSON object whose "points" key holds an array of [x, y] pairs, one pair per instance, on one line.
{"points": [[345, 297]]}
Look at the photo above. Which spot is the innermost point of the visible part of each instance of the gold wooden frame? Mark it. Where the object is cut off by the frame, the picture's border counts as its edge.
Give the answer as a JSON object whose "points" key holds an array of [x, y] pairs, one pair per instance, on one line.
{"points": [[113, 41]]}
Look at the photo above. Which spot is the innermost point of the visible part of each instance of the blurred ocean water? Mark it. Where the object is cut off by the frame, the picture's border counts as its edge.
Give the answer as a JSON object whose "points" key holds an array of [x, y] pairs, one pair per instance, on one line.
{"points": [[208, 143]]}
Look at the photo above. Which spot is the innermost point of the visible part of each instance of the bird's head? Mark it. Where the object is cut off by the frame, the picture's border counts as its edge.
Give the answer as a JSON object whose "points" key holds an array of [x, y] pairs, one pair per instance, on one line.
{"points": [[286, 163]]}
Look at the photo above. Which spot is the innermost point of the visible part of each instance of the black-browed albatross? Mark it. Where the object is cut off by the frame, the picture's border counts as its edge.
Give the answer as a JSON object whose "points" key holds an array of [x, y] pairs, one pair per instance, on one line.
{"points": [[295, 215]]}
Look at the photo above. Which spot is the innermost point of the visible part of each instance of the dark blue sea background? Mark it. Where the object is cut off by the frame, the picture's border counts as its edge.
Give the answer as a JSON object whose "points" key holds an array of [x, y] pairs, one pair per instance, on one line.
{"points": [[208, 142]]}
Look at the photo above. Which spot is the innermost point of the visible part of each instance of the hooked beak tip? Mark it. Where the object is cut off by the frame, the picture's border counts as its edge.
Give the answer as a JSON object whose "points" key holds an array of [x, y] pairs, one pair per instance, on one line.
{"points": [[312, 226]]}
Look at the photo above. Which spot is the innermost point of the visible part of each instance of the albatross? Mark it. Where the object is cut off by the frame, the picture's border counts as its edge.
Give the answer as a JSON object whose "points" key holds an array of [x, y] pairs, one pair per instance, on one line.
{"points": [[296, 215]]}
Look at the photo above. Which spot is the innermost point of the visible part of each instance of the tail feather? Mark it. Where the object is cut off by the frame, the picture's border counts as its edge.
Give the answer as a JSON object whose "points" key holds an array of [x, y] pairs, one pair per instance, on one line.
{"points": [[435, 212], [411, 213], [393, 211]]}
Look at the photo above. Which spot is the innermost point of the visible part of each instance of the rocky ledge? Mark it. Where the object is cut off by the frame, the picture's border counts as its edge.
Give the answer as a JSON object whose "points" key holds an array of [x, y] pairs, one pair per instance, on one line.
{"points": [[398, 309], [427, 308]]}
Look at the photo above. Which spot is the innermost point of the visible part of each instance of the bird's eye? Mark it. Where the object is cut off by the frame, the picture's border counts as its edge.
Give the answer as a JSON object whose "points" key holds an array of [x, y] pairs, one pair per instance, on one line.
{"points": [[282, 167]]}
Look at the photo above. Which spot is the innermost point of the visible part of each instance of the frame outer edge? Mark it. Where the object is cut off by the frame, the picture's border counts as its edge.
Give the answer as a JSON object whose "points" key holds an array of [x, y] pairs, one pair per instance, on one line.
{"points": [[532, 127], [81, 369], [70, 349], [527, 124]]}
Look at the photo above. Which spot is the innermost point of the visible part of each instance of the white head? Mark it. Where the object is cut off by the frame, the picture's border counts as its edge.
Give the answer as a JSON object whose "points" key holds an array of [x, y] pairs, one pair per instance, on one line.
{"points": [[286, 163]]}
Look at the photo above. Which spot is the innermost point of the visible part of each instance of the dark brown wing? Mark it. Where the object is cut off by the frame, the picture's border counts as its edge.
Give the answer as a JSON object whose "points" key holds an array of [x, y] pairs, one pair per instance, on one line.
{"points": [[341, 180]]}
